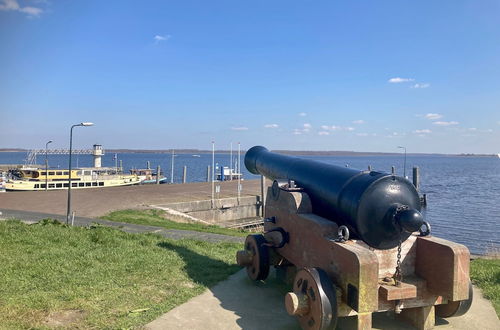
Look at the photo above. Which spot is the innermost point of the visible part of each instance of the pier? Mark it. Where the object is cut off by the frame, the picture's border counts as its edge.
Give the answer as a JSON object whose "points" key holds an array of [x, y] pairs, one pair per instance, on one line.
{"points": [[94, 203]]}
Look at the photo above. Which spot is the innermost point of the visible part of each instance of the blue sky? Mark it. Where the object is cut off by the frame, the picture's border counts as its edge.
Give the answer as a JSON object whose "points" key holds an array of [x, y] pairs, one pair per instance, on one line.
{"points": [[301, 75]]}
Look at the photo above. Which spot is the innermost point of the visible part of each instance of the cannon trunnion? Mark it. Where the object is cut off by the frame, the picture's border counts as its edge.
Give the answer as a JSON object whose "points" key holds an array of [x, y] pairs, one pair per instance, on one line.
{"points": [[334, 277]]}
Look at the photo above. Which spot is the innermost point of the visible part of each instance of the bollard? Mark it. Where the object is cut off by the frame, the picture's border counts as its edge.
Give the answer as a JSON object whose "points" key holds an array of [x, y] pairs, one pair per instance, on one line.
{"points": [[416, 177], [208, 173], [148, 164], [369, 168], [158, 174], [184, 174], [393, 170]]}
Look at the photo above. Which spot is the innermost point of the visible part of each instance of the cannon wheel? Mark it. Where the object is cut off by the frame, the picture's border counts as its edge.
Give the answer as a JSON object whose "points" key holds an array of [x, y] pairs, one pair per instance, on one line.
{"points": [[455, 308], [258, 268], [313, 300]]}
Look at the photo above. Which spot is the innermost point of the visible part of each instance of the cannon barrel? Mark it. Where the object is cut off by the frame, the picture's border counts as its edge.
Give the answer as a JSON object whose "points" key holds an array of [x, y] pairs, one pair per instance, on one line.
{"points": [[379, 208]]}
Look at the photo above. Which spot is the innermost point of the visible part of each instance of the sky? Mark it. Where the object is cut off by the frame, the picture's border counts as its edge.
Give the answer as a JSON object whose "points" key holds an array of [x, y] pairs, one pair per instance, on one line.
{"points": [[298, 75]]}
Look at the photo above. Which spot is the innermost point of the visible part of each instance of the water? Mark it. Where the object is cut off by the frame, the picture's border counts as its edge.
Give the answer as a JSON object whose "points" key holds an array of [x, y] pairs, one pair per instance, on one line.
{"points": [[463, 192]]}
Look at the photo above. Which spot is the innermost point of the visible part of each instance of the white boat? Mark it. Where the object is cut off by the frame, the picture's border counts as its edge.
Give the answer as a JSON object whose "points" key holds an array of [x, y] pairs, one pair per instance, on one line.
{"points": [[35, 179]]}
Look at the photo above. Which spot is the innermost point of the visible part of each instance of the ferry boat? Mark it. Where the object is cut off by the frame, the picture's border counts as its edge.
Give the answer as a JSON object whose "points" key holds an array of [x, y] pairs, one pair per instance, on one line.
{"points": [[34, 179]]}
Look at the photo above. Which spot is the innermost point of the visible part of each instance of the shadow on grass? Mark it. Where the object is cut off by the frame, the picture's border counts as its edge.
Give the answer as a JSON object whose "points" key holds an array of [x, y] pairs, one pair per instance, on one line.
{"points": [[202, 269]]}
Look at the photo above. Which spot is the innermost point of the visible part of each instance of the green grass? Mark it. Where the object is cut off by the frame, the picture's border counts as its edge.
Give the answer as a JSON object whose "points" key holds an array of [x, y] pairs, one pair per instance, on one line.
{"points": [[104, 273], [156, 218], [485, 273]]}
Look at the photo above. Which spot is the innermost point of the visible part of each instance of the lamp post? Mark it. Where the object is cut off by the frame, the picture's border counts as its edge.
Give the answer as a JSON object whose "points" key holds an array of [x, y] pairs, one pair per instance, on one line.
{"points": [[46, 165], [69, 178], [404, 166]]}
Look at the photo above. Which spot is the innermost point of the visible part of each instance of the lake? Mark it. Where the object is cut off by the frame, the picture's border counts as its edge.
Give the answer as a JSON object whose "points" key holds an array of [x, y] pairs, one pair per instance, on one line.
{"points": [[463, 193]]}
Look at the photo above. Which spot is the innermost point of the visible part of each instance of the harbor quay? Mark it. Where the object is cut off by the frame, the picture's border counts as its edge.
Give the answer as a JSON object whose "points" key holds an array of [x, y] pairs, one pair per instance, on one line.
{"points": [[95, 203]]}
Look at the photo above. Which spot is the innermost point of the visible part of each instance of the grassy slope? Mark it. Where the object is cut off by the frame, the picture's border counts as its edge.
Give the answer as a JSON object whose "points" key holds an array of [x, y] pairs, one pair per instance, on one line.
{"points": [[102, 271], [155, 218], [485, 273]]}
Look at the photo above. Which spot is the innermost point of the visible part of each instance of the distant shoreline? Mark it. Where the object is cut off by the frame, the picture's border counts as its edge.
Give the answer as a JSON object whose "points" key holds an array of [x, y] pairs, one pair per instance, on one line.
{"points": [[286, 152]]}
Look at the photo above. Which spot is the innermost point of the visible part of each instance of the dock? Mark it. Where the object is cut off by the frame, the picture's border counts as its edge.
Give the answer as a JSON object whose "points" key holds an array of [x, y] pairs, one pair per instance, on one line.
{"points": [[98, 202]]}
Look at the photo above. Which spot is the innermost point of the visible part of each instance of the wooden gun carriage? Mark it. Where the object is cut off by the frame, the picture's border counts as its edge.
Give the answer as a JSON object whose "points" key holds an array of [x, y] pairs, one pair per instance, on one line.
{"points": [[310, 214]]}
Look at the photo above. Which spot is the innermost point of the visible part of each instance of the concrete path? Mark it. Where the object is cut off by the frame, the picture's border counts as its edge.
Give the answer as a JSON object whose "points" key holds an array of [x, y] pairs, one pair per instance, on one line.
{"points": [[239, 303], [100, 201], [32, 217]]}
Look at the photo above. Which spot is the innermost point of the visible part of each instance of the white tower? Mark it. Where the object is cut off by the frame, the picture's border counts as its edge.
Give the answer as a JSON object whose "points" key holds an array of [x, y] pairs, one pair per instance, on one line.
{"points": [[98, 153]]}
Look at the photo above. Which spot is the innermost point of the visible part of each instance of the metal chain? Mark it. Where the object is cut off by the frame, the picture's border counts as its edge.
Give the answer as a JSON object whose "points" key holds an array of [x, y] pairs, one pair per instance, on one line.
{"points": [[398, 276]]}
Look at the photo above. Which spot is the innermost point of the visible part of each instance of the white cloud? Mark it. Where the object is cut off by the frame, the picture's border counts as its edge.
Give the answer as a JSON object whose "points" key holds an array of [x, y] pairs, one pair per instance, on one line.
{"points": [[433, 116], [399, 80], [13, 5], [159, 38], [421, 85], [336, 128], [239, 128], [302, 114], [358, 122], [422, 131], [445, 123], [307, 125], [323, 133], [297, 131], [472, 129], [271, 125], [330, 128], [362, 134]]}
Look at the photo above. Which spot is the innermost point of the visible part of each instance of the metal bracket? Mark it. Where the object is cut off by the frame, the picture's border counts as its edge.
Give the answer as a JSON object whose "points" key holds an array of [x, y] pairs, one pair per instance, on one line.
{"points": [[427, 229], [285, 238], [271, 219], [343, 234]]}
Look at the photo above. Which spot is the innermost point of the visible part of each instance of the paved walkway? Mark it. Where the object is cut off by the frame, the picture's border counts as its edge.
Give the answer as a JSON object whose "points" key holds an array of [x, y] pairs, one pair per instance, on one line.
{"points": [[97, 202], [239, 303], [33, 217]]}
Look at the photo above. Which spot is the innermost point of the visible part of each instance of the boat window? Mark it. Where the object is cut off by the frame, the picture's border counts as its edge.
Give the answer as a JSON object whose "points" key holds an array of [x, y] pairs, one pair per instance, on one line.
{"points": [[51, 173], [101, 183], [94, 184], [81, 184], [87, 184], [86, 172], [42, 185], [51, 185], [37, 185], [44, 173], [66, 185], [74, 184], [66, 172], [59, 173], [59, 185]]}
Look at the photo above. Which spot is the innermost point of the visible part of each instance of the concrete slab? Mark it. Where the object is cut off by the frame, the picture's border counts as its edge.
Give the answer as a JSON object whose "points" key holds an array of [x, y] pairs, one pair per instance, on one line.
{"points": [[239, 303], [100, 201]]}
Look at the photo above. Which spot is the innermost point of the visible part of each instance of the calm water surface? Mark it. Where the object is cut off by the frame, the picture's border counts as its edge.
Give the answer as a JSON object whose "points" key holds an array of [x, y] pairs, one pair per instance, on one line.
{"points": [[463, 192]]}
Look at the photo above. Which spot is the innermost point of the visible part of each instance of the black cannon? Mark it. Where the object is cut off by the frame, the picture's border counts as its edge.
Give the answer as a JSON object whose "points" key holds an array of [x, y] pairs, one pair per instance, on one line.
{"points": [[352, 243], [381, 209]]}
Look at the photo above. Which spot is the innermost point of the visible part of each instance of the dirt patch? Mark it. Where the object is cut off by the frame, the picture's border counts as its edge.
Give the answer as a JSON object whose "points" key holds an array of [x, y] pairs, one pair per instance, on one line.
{"points": [[64, 317]]}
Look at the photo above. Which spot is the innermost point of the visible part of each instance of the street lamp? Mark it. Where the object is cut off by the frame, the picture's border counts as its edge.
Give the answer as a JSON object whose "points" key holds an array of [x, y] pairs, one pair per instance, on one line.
{"points": [[69, 178], [46, 165], [404, 166]]}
